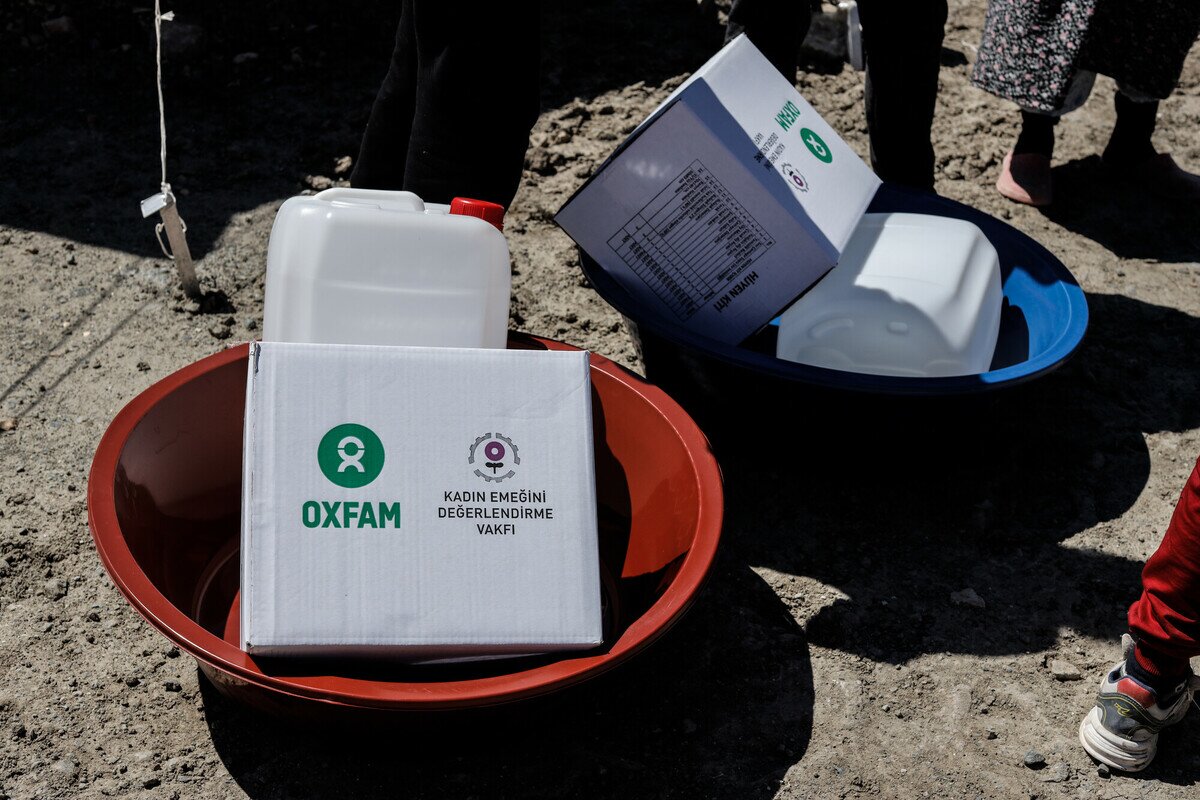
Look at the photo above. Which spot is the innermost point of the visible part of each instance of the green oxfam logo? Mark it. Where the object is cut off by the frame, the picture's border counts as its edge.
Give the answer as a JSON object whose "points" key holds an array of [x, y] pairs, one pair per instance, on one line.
{"points": [[816, 145], [350, 455]]}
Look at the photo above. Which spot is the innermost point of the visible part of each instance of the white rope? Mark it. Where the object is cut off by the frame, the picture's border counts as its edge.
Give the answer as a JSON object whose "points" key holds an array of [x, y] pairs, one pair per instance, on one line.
{"points": [[163, 203], [162, 116]]}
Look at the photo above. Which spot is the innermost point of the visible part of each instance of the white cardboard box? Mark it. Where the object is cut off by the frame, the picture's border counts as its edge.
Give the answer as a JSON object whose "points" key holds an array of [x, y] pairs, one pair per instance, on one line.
{"points": [[727, 203], [418, 502]]}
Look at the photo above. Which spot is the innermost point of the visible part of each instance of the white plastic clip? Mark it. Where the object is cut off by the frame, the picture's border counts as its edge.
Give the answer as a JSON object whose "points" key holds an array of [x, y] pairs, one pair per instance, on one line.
{"points": [[156, 203]]}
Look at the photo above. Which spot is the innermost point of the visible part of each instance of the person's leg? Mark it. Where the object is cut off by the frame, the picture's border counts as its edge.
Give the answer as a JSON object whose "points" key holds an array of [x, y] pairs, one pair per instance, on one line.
{"points": [[1130, 140], [903, 44], [776, 27], [384, 149], [1131, 154], [1153, 686], [1025, 173], [477, 99], [1165, 621], [1037, 134]]}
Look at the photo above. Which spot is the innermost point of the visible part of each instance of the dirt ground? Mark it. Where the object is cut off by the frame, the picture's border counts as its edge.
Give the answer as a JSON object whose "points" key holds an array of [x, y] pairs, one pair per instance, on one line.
{"points": [[827, 656]]}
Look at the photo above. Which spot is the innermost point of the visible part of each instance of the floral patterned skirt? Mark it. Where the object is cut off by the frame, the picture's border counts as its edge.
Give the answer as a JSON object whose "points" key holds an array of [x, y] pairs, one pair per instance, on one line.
{"points": [[1033, 51]]}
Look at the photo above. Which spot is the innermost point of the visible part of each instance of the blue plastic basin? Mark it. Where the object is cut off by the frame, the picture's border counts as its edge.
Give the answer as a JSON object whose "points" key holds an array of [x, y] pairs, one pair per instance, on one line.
{"points": [[1044, 319]]}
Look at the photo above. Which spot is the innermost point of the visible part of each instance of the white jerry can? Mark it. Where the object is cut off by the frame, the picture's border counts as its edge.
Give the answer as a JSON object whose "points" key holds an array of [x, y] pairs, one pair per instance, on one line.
{"points": [[912, 295], [362, 266]]}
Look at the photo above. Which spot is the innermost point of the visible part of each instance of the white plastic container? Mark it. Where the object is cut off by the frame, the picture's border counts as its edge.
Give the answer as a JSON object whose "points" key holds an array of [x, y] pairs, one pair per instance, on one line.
{"points": [[913, 295], [360, 266]]}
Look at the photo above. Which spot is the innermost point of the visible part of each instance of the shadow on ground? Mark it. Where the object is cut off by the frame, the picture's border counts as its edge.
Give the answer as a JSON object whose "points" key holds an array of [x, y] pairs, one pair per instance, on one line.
{"points": [[259, 95], [1127, 220], [719, 708], [899, 504]]}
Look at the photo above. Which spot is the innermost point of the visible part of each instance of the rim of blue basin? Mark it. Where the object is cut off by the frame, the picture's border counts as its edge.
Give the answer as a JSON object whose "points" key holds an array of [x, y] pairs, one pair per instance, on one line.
{"points": [[1045, 311]]}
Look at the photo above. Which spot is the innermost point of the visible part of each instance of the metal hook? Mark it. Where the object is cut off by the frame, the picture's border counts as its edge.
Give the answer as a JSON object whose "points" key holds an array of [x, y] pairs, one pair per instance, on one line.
{"points": [[158, 232]]}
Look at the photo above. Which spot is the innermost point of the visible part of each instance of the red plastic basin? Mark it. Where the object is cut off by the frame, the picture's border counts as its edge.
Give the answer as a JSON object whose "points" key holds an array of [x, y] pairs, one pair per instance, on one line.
{"points": [[163, 504]]}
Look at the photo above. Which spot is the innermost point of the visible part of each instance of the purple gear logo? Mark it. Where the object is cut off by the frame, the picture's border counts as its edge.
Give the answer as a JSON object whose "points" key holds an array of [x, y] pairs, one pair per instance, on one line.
{"points": [[498, 454], [795, 179]]}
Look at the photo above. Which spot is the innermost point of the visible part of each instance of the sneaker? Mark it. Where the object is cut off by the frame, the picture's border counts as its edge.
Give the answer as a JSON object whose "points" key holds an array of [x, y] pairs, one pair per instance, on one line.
{"points": [[1122, 729]]}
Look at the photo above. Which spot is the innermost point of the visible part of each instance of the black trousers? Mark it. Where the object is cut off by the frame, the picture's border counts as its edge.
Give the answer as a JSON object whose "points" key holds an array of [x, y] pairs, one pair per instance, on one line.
{"points": [[441, 127], [902, 40], [775, 27], [453, 115]]}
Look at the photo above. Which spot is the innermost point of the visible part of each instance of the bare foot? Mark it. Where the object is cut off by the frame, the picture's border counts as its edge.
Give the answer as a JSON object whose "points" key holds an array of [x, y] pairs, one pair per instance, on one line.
{"points": [[1025, 178]]}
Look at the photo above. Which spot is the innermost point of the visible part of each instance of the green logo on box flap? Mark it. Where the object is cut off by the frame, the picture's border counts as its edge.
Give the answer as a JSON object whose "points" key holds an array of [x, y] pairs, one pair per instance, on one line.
{"points": [[350, 455], [816, 145]]}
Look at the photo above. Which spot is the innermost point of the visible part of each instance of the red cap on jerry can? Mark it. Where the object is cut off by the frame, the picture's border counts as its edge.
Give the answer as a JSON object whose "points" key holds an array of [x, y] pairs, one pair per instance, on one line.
{"points": [[488, 212]]}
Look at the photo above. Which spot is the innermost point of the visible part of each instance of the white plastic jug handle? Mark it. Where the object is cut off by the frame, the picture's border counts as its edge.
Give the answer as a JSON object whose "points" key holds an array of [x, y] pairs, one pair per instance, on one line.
{"points": [[394, 201]]}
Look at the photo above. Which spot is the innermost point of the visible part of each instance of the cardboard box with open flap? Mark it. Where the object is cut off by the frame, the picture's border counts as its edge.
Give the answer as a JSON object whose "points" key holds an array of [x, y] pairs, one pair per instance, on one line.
{"points": [[727, 203]]}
